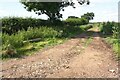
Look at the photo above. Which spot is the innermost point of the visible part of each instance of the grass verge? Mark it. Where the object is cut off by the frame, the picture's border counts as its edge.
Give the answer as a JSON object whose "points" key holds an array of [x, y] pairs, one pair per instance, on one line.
{"points": [[13, 46], [115, 44]]}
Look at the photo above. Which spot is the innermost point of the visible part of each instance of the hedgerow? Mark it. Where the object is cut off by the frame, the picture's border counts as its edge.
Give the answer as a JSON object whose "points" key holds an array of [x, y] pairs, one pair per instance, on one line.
{"points": [[13, 24], [76, 21]]}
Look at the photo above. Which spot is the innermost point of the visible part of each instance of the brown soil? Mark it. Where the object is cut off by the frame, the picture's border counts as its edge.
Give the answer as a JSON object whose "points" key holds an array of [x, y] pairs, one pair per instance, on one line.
{"points": [[77, 57]]}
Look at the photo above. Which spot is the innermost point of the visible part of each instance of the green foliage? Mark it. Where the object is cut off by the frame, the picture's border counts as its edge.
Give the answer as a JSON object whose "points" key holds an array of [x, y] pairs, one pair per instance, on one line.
{"points": [[42, 32], [88, 16], [14, 44], [76, 21], [88, 41], [14, 40], [13, 24], [115, 43], [113, 30], [70, 31], [116, 31], [86, 27], [17, 39], [52, 10], [108, 28]]}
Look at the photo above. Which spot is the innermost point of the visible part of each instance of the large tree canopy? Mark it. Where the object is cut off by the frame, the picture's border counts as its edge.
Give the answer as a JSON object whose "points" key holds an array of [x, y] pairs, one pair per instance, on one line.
{"points": [[51, 9]]}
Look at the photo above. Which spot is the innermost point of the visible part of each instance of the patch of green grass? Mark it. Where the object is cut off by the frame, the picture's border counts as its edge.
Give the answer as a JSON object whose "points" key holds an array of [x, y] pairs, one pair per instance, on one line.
{"points": [[31, 48], [88, 41], [47, 43], [119, 51], [86, 27], [115, 43]]}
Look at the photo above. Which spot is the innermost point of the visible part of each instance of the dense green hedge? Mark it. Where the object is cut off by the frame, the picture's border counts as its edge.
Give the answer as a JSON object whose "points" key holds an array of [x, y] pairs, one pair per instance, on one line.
{"points": [[76, 21], [110, 28], [13, 24]]}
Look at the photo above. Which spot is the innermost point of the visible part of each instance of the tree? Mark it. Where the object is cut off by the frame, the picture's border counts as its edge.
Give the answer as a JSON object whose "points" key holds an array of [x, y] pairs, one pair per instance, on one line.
{"points": [[51, 9], [88, 16]]}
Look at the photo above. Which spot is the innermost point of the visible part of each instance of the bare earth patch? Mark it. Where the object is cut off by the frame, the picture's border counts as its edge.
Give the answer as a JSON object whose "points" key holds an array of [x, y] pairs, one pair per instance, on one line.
{"points": [[69, 60]]}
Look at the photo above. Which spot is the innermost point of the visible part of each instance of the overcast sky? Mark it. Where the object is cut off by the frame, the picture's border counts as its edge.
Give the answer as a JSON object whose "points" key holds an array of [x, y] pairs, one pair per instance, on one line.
{"points": [[105, 10]]}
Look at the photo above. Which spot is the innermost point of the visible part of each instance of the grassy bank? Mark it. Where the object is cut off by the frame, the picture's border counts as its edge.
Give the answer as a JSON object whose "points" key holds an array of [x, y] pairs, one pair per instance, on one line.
{"points": [[20, 44], [111, 31], [115, 44]]}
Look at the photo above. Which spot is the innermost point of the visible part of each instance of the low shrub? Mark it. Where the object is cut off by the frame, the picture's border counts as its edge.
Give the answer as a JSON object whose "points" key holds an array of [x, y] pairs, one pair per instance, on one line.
{"points": [[107, 28], [86, 27], [76, 21]]}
